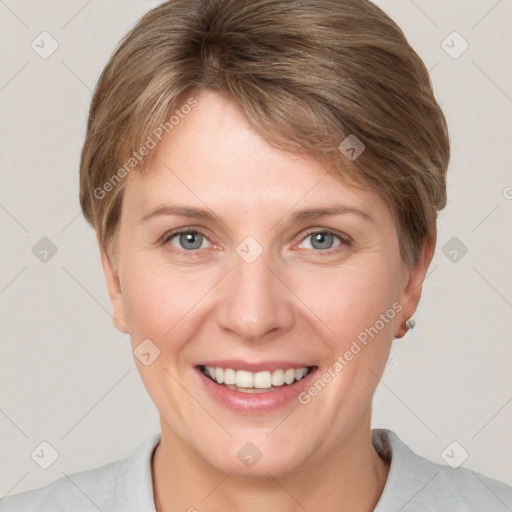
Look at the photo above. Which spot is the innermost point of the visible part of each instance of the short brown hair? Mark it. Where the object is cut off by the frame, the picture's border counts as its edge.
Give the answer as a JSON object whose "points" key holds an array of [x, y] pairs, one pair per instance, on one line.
{"points": [[307, 74]]}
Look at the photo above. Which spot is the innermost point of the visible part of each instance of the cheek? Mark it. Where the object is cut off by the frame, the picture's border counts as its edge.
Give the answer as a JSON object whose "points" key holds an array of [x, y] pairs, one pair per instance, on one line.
{"points": [[161, 302], [348, 299], [355, 309]]}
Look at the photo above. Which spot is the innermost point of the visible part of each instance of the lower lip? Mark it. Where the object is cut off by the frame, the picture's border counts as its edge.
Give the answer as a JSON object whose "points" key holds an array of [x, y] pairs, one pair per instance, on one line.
{"points": [[255, 403]]}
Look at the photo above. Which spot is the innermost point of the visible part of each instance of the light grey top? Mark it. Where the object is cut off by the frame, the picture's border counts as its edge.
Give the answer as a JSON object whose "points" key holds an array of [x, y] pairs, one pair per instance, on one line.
{"points": [[413, 484]]}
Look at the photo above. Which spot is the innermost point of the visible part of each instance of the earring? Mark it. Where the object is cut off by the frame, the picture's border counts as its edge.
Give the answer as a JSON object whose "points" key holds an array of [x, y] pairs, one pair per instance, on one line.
{"points": [[410, 324]]}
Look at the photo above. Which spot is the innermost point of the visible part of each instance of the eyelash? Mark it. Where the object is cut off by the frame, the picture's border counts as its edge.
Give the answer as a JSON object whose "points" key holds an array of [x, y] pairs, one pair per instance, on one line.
{"points": [[345, 240]]}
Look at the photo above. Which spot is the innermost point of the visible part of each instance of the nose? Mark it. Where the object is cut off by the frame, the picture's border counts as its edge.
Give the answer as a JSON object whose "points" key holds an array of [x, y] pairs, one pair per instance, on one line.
{"points": [[255, 302]]}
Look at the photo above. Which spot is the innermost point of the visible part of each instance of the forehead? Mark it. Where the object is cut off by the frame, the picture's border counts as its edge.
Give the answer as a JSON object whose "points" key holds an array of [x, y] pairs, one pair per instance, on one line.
{"points": [[213, 157]]}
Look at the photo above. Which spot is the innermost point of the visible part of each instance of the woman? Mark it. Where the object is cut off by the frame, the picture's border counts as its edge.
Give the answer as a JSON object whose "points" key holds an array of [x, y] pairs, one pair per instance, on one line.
{"points": [[264, 179]]}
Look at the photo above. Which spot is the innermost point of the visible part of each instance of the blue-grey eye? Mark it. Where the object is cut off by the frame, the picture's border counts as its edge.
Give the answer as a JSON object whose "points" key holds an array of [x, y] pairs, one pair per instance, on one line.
{"points": [[322, 240], [188, 240]]}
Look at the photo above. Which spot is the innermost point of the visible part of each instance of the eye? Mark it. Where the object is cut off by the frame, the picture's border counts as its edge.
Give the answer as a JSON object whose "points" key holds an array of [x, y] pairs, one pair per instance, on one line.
{"points": [[325, 239], [186, 239]]}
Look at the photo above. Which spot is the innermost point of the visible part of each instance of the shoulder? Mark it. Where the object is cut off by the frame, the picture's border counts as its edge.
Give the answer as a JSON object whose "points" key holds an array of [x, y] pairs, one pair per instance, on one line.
{"points": [[124, 484], [417, 484], [84, 491]]}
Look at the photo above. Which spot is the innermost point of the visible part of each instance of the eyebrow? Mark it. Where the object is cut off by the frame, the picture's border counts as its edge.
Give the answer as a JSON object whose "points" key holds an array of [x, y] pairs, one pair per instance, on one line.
{"points": [[297, 216]]}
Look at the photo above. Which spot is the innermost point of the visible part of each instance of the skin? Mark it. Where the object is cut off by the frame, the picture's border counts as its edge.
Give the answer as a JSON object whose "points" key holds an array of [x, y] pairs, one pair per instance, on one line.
{"points": [[292, 303]]}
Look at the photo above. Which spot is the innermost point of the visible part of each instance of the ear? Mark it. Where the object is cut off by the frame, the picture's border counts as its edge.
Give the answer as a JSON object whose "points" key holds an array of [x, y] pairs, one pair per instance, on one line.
{"points": [[114, 292], [412, 283]]}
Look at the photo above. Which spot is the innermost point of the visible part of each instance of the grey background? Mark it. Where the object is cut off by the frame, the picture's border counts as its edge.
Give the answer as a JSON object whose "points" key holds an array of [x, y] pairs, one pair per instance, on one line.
{"points": [[68, 377]]}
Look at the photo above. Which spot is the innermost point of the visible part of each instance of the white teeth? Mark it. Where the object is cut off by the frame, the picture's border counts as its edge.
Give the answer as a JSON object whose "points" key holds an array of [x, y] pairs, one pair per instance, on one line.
{"points": [[263, 380], [278, 378], [289, 376], [300, 372], [258, 380], [229, 376], [243, 379]]}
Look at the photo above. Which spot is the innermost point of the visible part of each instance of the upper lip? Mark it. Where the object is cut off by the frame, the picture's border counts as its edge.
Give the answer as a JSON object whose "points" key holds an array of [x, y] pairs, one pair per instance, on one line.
{"points": [[253, 367]]}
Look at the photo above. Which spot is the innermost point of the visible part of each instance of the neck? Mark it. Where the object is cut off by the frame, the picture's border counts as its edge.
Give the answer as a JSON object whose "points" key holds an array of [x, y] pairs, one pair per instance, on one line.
{"points": [[351, 477]]}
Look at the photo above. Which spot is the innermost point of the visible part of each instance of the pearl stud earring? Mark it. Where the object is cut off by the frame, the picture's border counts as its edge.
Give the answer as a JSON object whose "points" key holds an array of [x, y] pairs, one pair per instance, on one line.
{"points": [[410, 324]]}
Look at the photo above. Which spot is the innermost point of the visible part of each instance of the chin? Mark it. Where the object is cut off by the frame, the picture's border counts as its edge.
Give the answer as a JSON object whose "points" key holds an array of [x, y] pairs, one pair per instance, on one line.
{"points": [[276, 466], [256, 455]]}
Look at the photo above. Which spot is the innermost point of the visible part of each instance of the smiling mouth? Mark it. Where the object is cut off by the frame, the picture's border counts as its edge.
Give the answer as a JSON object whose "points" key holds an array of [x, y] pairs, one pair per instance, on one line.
{"points": [[255, 382]]}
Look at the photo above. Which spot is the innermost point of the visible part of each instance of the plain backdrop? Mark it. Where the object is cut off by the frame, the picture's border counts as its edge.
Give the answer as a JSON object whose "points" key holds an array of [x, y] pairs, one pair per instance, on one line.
{"points": [[68, 378]]}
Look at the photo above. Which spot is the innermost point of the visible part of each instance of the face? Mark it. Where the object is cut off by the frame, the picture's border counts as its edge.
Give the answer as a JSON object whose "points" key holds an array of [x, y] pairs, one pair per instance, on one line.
{"points": [[256, 281]]}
